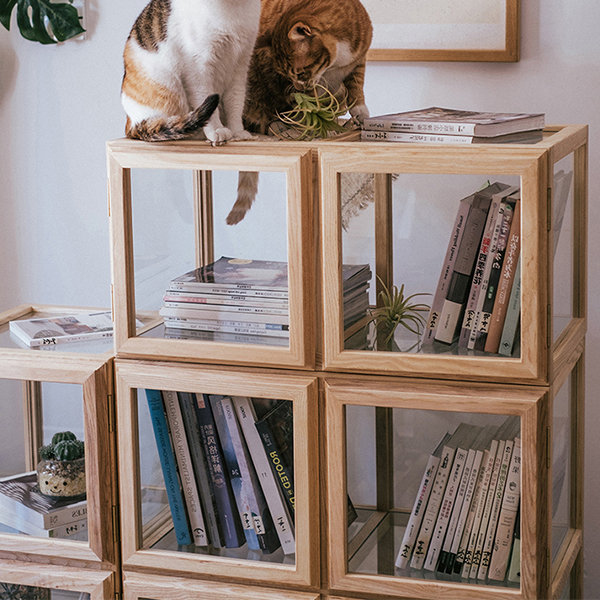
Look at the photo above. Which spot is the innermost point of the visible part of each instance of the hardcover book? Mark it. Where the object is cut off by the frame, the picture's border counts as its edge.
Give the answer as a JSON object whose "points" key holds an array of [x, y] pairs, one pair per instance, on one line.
{"points": [[438, 120]]}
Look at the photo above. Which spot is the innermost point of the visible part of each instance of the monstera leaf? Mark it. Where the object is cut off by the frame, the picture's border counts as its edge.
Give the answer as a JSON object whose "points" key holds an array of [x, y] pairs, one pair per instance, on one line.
{"points": [[41, 20]]}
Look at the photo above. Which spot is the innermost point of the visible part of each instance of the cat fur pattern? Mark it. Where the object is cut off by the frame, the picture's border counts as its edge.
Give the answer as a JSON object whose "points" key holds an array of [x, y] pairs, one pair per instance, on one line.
{"points": [[186, 65]]}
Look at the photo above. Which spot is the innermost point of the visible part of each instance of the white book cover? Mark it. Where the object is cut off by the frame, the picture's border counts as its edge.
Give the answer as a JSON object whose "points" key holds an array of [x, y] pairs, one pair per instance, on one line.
{"points": [[216, 314], [186, 468], [416, 515], [490, 534], [507, 519], [247, 419]]}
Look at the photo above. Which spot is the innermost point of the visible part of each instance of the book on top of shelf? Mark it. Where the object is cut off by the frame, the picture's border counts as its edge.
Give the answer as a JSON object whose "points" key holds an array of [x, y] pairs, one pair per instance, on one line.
{"points": [[521, 137], [22, 504], [440, 120], [75, 327]]}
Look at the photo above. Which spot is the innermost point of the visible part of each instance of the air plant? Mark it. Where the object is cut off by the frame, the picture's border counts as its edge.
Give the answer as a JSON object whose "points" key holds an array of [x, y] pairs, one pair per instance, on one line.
{"points": [[395, 309], [316, 114]]}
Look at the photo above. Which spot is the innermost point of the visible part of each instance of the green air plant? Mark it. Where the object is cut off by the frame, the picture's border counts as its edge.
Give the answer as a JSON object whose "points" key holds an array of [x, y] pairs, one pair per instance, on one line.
{"points": [[43, 21], [395, 309], [315, 114]]}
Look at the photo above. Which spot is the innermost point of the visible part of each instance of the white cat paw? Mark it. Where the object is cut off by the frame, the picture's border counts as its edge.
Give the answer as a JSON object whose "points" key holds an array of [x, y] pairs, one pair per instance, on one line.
{"points": [[218, 136], [359, 112], [243, 135]]}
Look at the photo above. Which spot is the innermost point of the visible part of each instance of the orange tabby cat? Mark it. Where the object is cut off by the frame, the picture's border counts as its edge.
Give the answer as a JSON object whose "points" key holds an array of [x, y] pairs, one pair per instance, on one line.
{"points": [[302, 43]]}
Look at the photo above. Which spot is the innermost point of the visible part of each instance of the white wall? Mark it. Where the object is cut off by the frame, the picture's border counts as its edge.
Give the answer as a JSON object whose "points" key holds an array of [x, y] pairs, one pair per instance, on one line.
{"points": [[58, 105]]}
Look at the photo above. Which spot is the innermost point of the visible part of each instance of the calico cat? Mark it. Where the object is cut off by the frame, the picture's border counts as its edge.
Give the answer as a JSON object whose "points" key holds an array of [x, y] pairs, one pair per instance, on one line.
{"points": [[181, 58], [302, 43]]}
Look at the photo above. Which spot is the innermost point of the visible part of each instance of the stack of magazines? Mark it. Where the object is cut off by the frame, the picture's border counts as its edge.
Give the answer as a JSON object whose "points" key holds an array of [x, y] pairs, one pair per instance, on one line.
{"points": [[234, 299], [436, 125]]}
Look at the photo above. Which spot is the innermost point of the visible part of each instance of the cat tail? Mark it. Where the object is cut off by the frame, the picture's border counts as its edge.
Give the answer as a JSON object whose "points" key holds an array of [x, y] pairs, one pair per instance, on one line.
{"points": [[175, 127], [247, 189]]}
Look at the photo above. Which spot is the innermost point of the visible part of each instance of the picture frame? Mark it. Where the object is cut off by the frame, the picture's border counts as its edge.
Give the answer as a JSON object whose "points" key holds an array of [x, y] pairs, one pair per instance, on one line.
{"points": [[439, 30]]}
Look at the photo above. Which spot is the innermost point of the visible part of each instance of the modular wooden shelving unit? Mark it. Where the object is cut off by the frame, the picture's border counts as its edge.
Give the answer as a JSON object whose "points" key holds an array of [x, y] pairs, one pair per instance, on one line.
{"points": [[323, 377]]}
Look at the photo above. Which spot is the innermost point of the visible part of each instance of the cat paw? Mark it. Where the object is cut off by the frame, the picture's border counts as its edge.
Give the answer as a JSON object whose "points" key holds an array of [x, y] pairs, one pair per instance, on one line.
{"points": [[242, 135], [359, 112], [217, 136]]}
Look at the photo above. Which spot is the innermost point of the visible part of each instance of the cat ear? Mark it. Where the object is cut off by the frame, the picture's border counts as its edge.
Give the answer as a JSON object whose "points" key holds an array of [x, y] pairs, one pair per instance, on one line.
{"points": [[300, 31]]}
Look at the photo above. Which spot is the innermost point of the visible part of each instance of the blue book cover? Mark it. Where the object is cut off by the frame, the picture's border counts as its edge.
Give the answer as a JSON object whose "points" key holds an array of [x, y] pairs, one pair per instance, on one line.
{"points": [[169, 466], [231, 528], [235, 474]]}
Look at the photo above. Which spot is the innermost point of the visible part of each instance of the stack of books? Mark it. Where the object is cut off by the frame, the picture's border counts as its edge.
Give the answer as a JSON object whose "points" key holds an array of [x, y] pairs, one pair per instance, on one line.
{"points": [[464, 521], [436, 125], [235, 297], [24, 509], [228, 467]]}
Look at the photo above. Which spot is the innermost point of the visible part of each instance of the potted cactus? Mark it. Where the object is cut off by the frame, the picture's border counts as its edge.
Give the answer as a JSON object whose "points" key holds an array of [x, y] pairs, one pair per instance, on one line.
{"points": [[61, 470]]}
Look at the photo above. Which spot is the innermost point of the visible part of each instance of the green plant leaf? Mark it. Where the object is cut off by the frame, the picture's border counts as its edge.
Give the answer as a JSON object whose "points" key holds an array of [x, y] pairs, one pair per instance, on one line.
{"points": [[6, 8], [45, 22]]}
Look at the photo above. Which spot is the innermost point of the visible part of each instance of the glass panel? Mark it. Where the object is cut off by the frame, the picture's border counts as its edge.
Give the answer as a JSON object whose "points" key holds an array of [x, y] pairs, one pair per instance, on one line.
{"points": [[455, 247], [243, 297], [235, 460], [14, 591], [42, 490], [440, 506], [561, 467], [562, 225]]}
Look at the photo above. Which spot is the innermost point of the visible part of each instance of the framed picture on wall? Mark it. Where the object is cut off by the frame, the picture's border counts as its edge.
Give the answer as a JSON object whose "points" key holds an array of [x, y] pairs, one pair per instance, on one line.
{"points": [[444, 30]]}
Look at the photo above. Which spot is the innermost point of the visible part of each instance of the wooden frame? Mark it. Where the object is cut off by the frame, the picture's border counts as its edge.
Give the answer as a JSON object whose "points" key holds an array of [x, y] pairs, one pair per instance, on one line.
{"points": [[100, 585], [469, 41], [94, 374], [529, 403], [155, 587], [533, 164], [124, 155], [302, 391]]}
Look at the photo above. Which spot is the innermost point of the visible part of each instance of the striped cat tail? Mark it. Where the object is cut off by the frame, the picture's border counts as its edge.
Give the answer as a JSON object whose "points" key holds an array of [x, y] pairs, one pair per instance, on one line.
{"points": [[247, 189], [173, 128]]}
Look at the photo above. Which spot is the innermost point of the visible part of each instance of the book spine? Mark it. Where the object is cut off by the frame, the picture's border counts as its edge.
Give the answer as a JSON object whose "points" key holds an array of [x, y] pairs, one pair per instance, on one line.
{"points": [[251, 490], [490, 534], [497, 259], [447, 269], [69, 529], [507, 518], [445, 554], [478, 272], [226, 317], [67, 339], [235, 475], [416, 515], [375, 124], [186, 402], [231, 529], [433, 508], [230, 310], [247, 418], [221, 328], [224, 300], [478, 506], [414, 137], [441, 525], [226, 289], [514, 568], [507, 276], [513, 313], [169, 466], [186, 468], [487, 507], [456, 297]]}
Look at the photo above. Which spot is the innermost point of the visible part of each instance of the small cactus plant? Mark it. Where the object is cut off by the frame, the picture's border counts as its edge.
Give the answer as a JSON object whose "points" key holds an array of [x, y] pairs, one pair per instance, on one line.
{"points": [[64, 446], [61, 470]]}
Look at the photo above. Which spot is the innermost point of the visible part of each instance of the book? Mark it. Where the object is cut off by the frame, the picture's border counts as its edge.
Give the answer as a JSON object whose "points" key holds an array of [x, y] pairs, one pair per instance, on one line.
{"points": [[414, 137], [168, 465], [276, 430], [421, 499], [512, 318], [199, 463], [438, 120], [265, 329], [22, 505], [514, 567], [496, 262], [283, 525], [234, 472], [458, 288], [63, 329], [227, 317], [507, 277], [507, 520], [202, 309], [237, 300], [176, 333], [74, 529], [227, 514], [251, 490]]}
